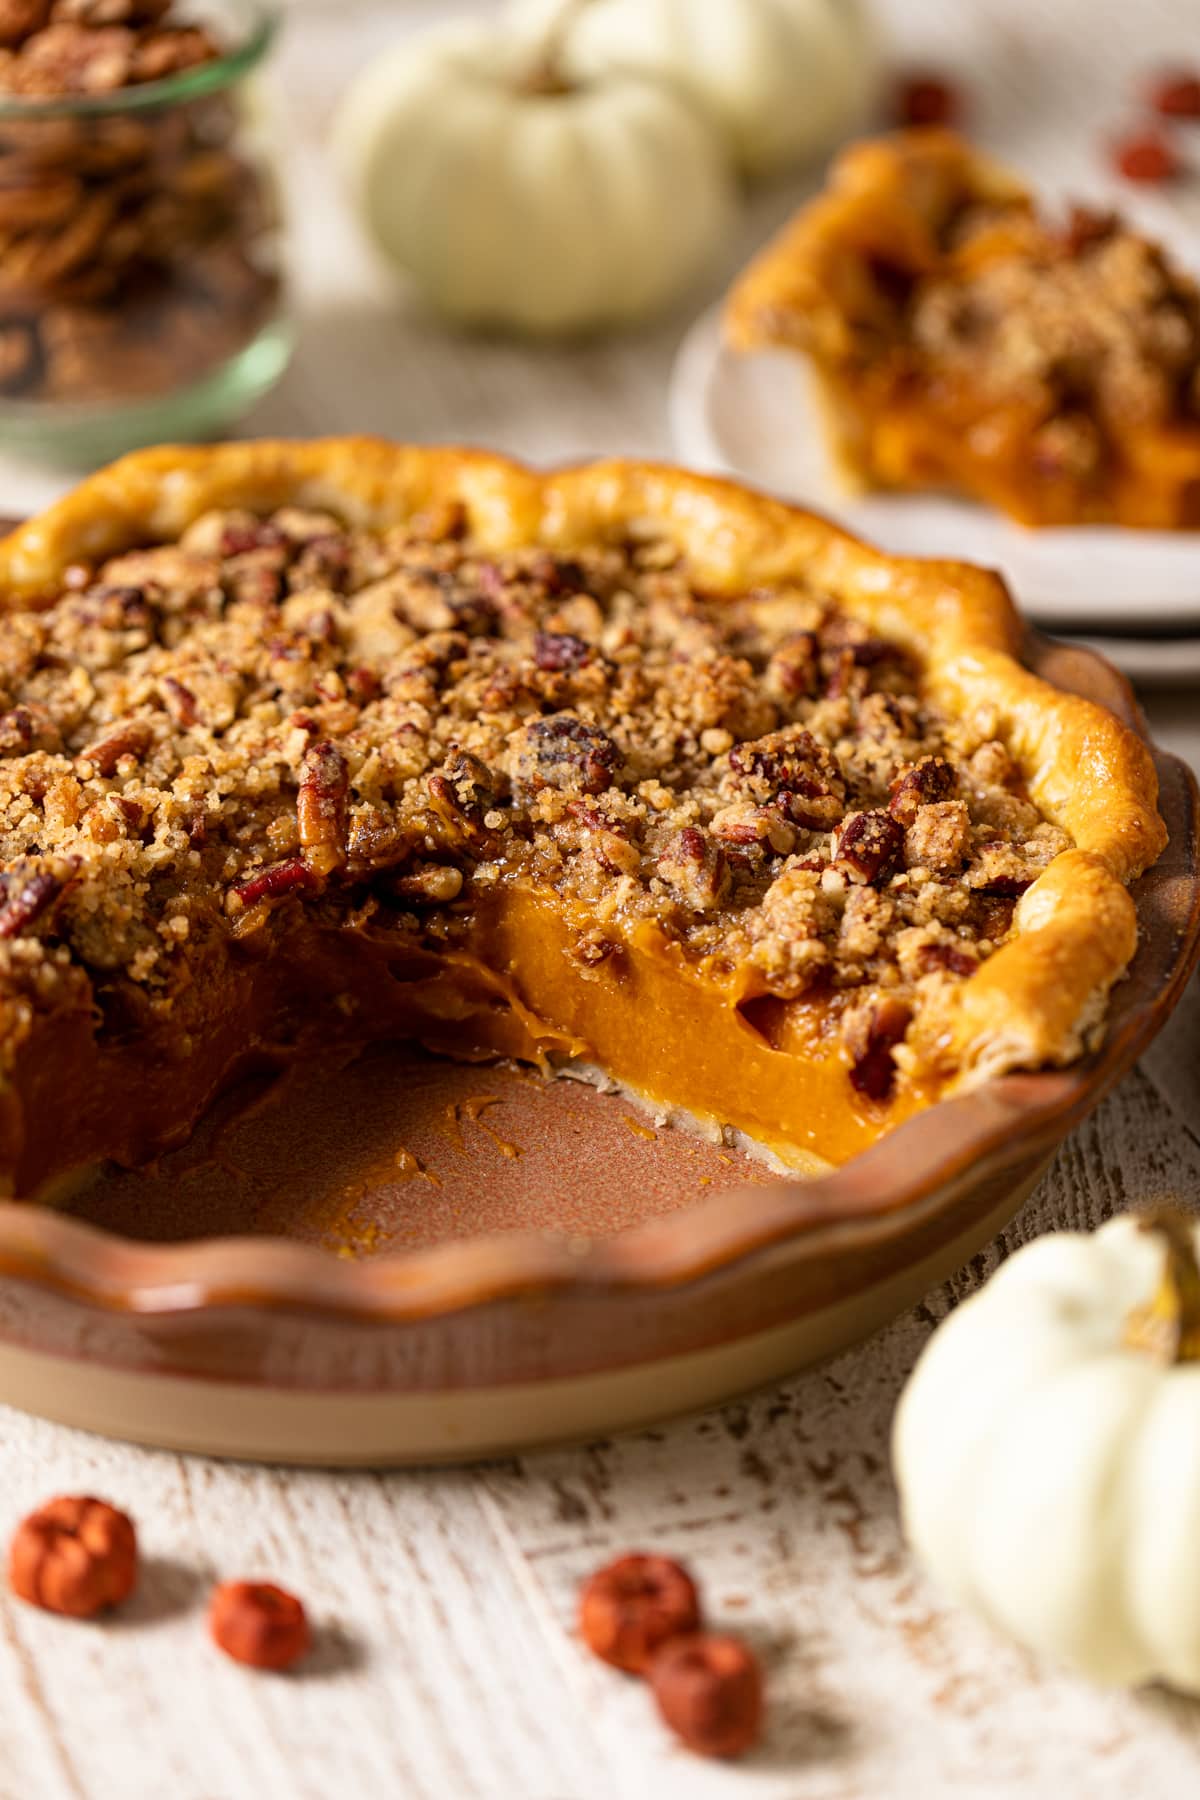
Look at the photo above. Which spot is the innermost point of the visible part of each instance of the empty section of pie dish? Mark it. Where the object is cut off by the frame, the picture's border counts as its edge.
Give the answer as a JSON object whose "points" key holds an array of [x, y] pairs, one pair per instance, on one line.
{"points": [[614, 767]]}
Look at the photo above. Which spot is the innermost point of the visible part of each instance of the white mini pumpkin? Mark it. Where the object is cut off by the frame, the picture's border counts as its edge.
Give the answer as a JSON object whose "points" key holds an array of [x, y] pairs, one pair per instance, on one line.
{"points": [[514, 200], [784, 78], [1047, 1451]]}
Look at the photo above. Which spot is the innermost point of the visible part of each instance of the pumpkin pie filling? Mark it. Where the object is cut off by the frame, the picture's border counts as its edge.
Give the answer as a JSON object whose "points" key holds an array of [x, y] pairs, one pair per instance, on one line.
{"points": [[289, 780], [1049, 367]]}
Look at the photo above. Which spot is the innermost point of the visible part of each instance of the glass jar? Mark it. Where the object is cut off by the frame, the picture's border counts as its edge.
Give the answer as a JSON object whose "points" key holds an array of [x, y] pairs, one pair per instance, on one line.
{"points": [[140, 286]]}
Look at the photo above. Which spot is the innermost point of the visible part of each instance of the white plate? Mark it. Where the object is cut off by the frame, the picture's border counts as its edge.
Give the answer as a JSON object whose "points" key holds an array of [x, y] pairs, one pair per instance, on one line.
{"points": [[756, 417], [1151, 662]]}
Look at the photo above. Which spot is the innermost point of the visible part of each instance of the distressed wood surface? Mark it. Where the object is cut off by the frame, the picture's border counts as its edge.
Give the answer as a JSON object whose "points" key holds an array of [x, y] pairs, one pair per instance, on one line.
{"points": [[446, 1664]]}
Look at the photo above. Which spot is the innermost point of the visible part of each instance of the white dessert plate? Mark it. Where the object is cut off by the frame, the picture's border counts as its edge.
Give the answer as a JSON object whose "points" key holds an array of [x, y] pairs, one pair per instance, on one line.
{"points": [[756, 417]]}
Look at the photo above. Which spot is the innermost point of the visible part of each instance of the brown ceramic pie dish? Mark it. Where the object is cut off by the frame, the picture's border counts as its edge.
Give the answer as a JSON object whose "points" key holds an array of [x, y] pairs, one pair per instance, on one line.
{"points": [[566, 1270]]}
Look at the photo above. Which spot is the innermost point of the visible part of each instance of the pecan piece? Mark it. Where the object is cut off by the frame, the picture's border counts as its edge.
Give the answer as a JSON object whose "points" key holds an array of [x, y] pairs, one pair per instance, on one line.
{"points": [[564, 751], [791, 771], [1008, 887], [870, 1031], [27, 728], [793, 669], [629, 1608], [30, 894], [606, 840], [695, 869], [1085, 228], [179, 701], [291, 876], [867, 845], [20, 356], [259, 1624], [743, 825], [557, 574], [559, 652], [321, 807], [463, 791], [110, 12], [132, 738], [709, 1690], [21, 18], [930, 780], [75, 1555], [592, 949], [850, 653], [947, 957]]}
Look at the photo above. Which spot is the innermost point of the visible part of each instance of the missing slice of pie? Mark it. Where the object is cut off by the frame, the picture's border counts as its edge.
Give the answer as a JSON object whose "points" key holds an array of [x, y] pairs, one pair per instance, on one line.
{"points": [[617, 767], [1050, 368]]}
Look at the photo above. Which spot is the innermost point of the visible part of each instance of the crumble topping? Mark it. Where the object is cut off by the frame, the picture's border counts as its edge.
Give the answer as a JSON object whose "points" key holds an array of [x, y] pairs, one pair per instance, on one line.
{"points": [[1087, 326], [196, 739]]}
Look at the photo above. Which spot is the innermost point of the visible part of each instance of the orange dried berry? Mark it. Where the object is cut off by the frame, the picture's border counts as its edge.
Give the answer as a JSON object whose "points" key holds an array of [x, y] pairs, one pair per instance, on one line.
{"points": [[76, 1555], [630, 1608], [709, 1690], [1146, 156], [1176, 95], [259, 1624], [928, 99]]}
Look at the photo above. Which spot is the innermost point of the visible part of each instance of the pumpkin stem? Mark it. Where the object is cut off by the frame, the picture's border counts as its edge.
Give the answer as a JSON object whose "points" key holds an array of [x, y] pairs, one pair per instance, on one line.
{"points": [[546, 78], [1168, 1326]]}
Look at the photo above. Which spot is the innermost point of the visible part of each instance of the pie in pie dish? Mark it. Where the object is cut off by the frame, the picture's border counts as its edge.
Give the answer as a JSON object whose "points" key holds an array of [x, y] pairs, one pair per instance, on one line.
{"points": [[960, 342], [617, 767]]}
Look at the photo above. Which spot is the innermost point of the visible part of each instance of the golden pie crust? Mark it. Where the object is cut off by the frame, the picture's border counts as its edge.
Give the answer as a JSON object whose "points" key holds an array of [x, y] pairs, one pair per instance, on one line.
{"points": [[421, 743], [961, 342]]}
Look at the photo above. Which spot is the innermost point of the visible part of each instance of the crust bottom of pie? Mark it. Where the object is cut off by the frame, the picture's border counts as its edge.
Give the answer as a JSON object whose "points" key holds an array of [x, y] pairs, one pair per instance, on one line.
{"points": [[679, 1038]]}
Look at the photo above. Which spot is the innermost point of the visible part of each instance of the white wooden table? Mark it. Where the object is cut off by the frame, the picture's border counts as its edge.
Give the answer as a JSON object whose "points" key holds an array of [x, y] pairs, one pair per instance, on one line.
{"points": [[447, 1666]]}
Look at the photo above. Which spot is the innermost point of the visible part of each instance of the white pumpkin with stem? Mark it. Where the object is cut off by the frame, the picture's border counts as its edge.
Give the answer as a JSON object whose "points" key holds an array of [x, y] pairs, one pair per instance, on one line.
{"points": [[1047, 1451], [517, 198], [784, 79]]}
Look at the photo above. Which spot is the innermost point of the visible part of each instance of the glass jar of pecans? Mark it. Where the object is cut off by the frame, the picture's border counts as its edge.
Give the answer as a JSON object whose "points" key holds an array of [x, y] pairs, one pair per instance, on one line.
{"points": [[140, 291]]}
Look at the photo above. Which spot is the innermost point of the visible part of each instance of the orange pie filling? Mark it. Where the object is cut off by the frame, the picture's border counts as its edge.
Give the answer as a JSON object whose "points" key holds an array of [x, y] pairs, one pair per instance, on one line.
{"points": [[288, 783]]}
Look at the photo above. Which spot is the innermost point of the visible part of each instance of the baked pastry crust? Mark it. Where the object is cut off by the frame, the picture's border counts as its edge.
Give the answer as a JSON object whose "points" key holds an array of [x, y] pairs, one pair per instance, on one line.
{"points": [[1039, 998], [1051, 369]]}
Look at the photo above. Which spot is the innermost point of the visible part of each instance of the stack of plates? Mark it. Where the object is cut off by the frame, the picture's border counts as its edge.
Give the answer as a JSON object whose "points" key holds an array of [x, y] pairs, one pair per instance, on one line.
{"points": [[1134, 595]]}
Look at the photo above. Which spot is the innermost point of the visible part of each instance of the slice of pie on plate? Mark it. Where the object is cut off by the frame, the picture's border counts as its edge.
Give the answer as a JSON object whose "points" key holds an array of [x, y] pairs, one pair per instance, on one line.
{"points": [[1050, 368], [617, 768]]}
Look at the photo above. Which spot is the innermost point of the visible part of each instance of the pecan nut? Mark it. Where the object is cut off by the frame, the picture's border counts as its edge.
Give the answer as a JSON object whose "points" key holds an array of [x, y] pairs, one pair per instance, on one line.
{"points": [[632, 1606], [463, 791], [791, 772], [259, 1624], [695, 869], [131, 738], [709, 1690], [947, 958], [867, 845], [321, 807], [929, 781], [75, 1555], [870, 1031], [559, 652], [291, 876], [566, 752], [793, 669], [29, 894]]}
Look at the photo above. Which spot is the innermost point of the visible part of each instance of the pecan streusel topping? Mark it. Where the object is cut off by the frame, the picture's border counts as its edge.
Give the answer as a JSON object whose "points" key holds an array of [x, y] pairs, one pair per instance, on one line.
{"points": [[284, 712]]}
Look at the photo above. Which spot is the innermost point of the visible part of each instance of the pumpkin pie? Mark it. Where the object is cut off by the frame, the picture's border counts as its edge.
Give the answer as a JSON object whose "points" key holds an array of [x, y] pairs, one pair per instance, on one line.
{"points": [[1050, 368], [616, 769]]}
